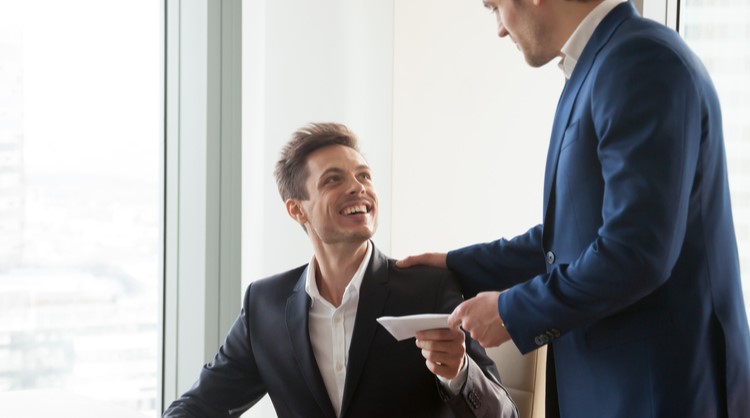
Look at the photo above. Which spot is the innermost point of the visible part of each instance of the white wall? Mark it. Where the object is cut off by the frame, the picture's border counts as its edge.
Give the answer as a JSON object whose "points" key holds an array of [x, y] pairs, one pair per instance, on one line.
{"points": [[471, 128], [453, 122]]}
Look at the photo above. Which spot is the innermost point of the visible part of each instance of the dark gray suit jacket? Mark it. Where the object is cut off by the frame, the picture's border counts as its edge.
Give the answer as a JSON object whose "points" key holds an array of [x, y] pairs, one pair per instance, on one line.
{"points": [[268, 350]]}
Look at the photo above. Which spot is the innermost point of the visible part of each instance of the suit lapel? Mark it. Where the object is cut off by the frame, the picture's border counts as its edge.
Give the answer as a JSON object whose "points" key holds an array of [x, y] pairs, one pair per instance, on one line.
{"points": [[373, 294], [297, 323], [599, 38]]}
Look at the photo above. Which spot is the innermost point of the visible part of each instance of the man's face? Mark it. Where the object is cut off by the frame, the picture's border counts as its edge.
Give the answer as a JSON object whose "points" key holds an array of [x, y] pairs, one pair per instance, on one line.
{"points": [[523, 21], [342, 204]]}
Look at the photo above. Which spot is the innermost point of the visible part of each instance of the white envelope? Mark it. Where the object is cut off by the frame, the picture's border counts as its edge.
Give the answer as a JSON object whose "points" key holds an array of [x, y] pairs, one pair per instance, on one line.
{"points": [[403, 327]]}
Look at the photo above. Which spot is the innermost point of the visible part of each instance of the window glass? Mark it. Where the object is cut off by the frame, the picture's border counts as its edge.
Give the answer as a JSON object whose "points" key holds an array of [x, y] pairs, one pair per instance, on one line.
{"points": [[81, 197], [719, 32]]}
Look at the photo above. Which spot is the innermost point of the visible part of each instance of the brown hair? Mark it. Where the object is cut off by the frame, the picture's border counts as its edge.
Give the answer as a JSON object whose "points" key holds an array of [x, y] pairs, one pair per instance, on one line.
{"points": [[291, 169]]}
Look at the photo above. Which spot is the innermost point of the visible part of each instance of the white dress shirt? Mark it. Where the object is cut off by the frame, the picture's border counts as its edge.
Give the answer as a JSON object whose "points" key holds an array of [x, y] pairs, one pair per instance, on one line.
{"points": [[331, 329], [573, 48]]}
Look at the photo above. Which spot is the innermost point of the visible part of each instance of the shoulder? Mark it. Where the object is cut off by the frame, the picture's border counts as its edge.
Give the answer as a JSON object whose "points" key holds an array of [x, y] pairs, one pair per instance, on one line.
{"points": [[281, 283], [424, 279], [420, 272], [646, 44], [644, 58]]}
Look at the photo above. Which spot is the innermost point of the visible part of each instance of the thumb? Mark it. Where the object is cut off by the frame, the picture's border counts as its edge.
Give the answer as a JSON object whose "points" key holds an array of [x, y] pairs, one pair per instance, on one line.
{"points": [[455, 318]]}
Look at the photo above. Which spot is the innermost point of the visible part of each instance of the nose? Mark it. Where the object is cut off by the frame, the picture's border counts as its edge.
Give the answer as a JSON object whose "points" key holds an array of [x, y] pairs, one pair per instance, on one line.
{"points": [[356, 186], [501, 31]]}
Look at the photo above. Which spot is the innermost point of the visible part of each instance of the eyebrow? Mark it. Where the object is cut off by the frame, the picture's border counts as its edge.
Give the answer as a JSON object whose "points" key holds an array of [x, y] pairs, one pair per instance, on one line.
{"points": [[339, 170]]}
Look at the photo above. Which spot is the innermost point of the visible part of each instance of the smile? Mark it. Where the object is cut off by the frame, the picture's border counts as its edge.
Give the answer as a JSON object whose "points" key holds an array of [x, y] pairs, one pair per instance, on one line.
{"points": [[356, 209]]}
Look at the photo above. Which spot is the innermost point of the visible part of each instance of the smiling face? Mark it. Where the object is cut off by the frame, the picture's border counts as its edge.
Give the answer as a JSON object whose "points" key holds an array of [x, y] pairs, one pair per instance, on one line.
{"points": [[341, 207], [526, 23]]}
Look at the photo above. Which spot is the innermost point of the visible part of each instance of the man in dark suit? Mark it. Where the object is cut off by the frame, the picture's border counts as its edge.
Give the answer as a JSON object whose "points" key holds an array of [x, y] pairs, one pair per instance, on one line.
{"points": [[309, 337], [632, 279]]}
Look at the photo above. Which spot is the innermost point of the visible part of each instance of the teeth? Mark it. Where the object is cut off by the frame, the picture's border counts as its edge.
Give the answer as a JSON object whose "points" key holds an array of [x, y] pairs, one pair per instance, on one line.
{"points": [[355, 209]]}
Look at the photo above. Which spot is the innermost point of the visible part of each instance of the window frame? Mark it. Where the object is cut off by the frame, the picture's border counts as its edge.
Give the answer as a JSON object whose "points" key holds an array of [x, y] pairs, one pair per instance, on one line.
{"points": [[202, 215], [662, 11]]}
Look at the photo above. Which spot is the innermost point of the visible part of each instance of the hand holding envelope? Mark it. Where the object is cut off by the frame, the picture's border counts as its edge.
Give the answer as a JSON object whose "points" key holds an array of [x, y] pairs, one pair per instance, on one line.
{"points": [[442, 347]]}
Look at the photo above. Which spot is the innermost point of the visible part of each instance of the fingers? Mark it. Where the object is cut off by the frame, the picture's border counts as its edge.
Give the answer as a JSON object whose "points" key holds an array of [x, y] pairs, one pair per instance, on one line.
{"points": [[426, 259], [447, 371], [456, 317], [480, 318], [442, 334], [468, 315], [443, 350]]}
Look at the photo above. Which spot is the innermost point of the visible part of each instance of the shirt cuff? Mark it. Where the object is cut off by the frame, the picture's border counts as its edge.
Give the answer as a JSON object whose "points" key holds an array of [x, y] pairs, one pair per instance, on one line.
{"points": [[454, 385]]}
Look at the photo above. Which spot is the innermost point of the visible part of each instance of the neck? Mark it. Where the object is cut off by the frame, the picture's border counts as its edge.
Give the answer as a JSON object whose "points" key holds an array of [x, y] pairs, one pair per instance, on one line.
{"points": [[335, 267], [570, 15]]}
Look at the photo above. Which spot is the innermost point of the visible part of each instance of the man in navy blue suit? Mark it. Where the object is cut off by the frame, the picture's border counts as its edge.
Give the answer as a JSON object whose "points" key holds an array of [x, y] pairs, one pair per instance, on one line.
{"points": [[632, 278]]}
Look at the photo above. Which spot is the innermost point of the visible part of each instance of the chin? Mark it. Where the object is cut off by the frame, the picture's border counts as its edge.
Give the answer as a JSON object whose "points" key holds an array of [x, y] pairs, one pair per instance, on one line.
{"points": [[537, 61], [364, 235]]}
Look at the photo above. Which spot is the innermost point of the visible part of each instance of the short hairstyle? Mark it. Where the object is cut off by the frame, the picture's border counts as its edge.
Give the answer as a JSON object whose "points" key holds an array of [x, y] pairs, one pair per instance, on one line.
{"points": [[291, 170]]}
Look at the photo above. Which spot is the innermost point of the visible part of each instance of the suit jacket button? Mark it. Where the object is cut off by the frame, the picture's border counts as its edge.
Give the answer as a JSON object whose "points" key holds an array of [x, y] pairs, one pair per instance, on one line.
{"points": [[540, 340], [550, 257], [474, 400]]}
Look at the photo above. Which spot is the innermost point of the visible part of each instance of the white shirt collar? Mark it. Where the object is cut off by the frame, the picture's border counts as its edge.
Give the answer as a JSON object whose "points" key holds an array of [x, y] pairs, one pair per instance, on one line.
{"points": [[311, 286], [573, 48]]}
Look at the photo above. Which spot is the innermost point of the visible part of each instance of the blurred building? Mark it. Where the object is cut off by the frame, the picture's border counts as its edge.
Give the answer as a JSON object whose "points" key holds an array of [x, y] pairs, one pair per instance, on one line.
{"points": [[719, 32], [11, 155], [88, 334]]}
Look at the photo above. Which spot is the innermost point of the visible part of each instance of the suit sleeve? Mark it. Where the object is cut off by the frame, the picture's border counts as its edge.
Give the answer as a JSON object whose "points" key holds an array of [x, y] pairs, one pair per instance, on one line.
{"points": [[228, 385], [482, 395], [499, 264]]}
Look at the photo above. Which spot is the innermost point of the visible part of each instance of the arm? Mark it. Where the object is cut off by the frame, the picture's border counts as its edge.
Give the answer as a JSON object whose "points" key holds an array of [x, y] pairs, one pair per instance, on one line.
{"points": [[482, 395], [490, 266], [227, 386], [499, 264]]}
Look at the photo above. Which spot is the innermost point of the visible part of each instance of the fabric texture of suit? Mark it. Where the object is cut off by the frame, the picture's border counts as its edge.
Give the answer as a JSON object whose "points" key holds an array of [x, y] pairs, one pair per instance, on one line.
{"points": [[268, 350], [633, 277]]}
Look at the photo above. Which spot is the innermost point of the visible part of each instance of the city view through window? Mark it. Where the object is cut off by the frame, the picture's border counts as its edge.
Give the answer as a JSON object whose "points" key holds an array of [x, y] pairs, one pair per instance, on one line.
{"points": [[719, 32], [81, 198]]}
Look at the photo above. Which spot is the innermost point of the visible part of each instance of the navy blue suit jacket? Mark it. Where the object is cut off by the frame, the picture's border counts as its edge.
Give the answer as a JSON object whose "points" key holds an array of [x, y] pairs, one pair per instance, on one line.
{"points": [[268, 350], [633, 277]]}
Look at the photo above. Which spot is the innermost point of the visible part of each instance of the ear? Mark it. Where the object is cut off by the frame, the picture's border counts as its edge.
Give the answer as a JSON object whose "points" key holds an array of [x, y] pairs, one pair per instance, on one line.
{"points": [[296, 211]]}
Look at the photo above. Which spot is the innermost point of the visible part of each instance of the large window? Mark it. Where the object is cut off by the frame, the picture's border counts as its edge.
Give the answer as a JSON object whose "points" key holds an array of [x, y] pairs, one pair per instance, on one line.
{"points": [[719, 32], [81, 181]]}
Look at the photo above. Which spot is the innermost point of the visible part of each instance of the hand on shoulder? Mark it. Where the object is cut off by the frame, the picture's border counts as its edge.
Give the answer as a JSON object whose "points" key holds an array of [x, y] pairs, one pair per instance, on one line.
{"points": [[425, 259]]}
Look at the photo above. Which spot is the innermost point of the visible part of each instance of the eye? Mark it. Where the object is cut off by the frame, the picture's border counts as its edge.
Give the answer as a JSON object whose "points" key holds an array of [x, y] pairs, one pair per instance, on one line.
{"points": [[331, 179], [365, 176]]}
